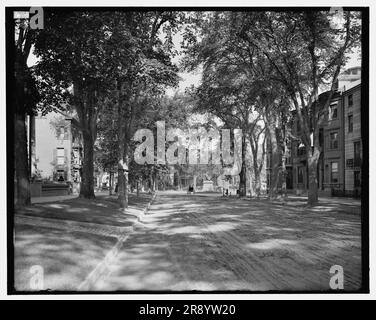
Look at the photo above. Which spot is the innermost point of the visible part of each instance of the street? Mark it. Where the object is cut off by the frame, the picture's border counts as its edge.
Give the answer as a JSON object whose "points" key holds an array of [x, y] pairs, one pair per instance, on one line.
{"points": [[207, 242], [187, 151]]}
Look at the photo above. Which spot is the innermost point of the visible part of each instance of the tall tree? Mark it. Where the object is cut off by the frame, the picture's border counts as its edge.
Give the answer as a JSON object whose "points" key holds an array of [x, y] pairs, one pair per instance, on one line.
{"points": [[229, 87], [150, 73], [24, 98], [302, 51], [307, 52], [81, 56]]}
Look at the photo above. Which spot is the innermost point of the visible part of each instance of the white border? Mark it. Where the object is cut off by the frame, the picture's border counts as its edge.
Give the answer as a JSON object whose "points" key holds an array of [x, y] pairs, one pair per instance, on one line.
{"points": [[198, 3]]}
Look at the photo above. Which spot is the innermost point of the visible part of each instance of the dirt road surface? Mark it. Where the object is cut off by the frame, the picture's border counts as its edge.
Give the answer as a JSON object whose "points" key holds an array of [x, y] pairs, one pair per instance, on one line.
{"points": [[207, 242]]}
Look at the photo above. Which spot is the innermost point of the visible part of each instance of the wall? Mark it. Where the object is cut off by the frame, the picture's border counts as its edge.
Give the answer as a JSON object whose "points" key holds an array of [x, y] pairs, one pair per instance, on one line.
{"points": [[355, 135]]}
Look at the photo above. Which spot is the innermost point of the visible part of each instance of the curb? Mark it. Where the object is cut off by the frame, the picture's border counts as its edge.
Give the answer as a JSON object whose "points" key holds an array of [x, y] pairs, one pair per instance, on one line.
{"points": [[70, 225], [145, 211], [103, 266], [341, 208]]}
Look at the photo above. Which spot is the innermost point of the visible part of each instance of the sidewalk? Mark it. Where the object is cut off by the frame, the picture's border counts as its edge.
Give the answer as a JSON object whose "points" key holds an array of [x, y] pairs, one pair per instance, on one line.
{"points": [[70, 237], [61, 198], [52, 198], [325, 204]]}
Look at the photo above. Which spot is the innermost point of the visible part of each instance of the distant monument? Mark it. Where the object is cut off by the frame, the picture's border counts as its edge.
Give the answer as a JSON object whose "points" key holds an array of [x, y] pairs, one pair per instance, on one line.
{"points": [[207, 184]]}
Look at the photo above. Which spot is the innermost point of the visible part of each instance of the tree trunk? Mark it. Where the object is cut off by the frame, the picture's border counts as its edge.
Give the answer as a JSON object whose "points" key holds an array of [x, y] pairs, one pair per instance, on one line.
{"points": [[274, 162], [179, 181], [110, 184], [21, 160], [257, 183], [284, 175], [31, 144], [87, 183], [284, 172], [152, 180], [312, 160], [257, 163], [122, 172], [122, 186], [99, 181], [122, 151], [156, 182], [243, 171]]}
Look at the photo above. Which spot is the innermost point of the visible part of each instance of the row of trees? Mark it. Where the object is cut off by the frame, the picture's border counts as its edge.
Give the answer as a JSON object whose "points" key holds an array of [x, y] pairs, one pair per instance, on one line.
{"points": [[106, 68], [262, 70], [110, 70]]}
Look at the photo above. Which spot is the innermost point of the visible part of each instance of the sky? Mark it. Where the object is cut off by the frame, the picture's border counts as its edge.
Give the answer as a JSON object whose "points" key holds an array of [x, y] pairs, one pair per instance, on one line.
{"points": [[193, 78]]}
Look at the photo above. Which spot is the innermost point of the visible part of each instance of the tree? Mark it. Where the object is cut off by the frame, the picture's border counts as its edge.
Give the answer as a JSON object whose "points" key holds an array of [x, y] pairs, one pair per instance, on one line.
{"points": [[297, 53], [151, 72], [24, 99], [174, 111], [307, 53], [257, 139], [80, 57], [229, 88]]}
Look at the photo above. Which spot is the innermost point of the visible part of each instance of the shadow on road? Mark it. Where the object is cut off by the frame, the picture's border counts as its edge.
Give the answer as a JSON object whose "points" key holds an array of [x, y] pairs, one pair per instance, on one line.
{"points": [[191, 242]]}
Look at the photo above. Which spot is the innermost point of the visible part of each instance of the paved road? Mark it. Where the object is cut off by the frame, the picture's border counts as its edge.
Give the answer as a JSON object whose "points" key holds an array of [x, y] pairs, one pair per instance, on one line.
{"points": [[194, 242]]}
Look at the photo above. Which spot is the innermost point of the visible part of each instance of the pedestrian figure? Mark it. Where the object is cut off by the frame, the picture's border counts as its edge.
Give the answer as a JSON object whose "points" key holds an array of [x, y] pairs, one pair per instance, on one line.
{"points": [[191, 189]]}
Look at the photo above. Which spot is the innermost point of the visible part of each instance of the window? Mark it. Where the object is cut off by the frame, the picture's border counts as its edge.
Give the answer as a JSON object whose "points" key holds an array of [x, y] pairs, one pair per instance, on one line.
{"points": [[321, 137], [334, 172], [350, 100], [357, 154], [60, 175], [334, 140], [333, 111], [357, 179], [300, 174], [350, 122], [301, 151], [76, 157], [60, 156], [63, 133]]}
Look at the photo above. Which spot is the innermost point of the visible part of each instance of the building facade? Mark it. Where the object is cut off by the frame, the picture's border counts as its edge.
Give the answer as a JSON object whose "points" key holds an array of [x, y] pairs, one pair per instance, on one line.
{"points": [[56, 153], [339, 167], [352, 140]]}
